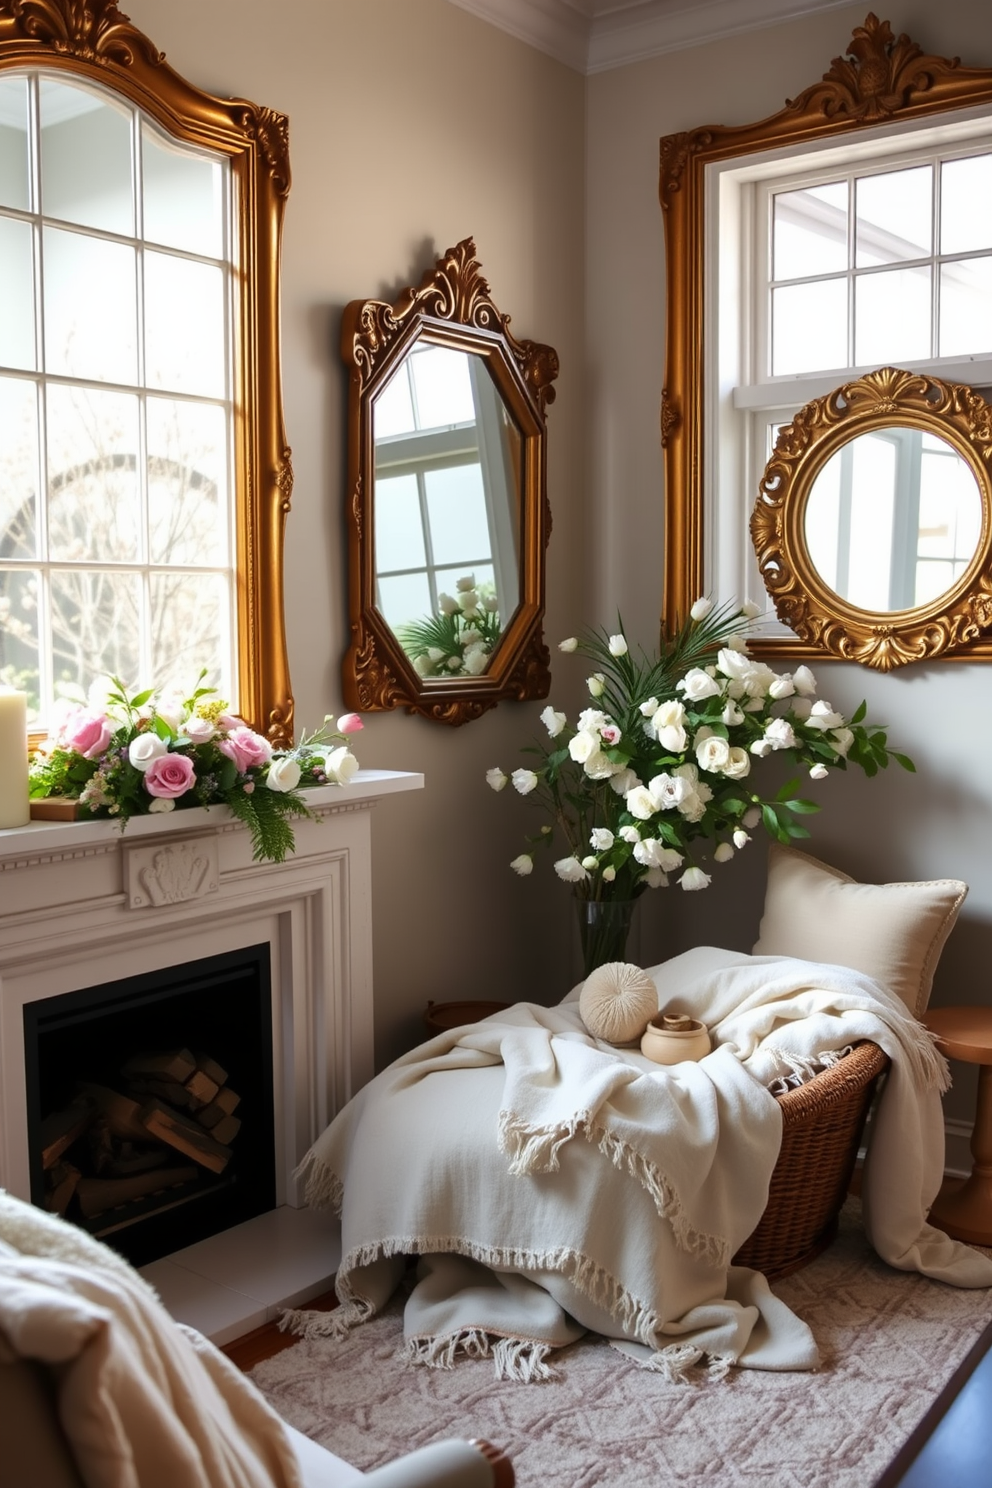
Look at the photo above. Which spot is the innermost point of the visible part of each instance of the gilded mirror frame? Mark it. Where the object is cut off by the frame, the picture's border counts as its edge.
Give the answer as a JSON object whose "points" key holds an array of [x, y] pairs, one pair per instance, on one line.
{"points": [[97, 43], [881, 80], [451, 307], [886, 399]]}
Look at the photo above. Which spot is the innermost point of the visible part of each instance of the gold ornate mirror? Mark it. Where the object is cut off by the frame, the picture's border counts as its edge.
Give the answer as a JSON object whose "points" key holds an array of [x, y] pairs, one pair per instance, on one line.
{"points": [[873, 524], [448, 512], [885, 117]]}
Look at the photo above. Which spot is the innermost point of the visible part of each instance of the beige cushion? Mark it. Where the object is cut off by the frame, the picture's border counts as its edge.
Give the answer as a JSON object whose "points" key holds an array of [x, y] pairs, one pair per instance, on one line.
{"points": [[616, 1002], [892, 932]]}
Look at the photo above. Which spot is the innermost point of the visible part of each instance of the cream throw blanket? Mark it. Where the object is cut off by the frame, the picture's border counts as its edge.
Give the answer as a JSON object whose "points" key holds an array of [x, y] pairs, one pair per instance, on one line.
{"points": [[557, 1183], [142, 1400]]}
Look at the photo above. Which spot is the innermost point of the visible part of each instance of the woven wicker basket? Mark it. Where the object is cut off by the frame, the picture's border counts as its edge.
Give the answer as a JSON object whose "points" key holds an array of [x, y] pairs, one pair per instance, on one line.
{"points": [[822, 1122]]}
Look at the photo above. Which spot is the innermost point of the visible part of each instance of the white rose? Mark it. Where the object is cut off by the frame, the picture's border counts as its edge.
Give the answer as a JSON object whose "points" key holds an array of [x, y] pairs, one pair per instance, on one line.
{"points": [[692, 807], [590, 862], [523, 865], [454, 663], [652, 853], [655, 878], [145, 748], [823, 717], [752, 817], [340, 765], [423, 666], [524, 781], [591, 720], [582, 746], [732, 715], [617, 645], [761, 748], [667, 791], [162, 803], [712, 754], [554, 722], [818, 772], [738, 765], [701, 609], [623, 781], [741, 839], [596, 684], [667, 725], [447, 605], [649, 707], [609, 874], [468, 600], [694, 879], [601, 838], [733, 664], [843, 738], [697, 684], [466, 582], [435, 654], [641, 803], [804, 681], [476, 660], [782, 687], [599, 766], [779, 734], [571, 870], [629, 834], [283, 773], [199, 730], [496, 779], [723, 853], [568, 645], [490, 603], [737, 643]]}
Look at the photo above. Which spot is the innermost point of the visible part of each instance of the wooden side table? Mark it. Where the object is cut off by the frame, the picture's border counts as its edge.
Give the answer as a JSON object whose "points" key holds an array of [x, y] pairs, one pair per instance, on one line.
{"points": [[964, 1210]]}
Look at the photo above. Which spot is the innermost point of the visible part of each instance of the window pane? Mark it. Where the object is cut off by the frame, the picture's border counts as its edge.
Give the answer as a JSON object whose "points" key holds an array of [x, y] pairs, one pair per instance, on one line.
{"points": [[14, 176], [187, 483], [442, 387], [873, 496], [85, 159], [95, 627], [16, 295], [406, 597], [966, 204], [90, 323], [183, 196], [809, 327], [966, 307], [809, 231], [456, 508], [894, 216], [892, 317], [18, 468], [189, 630], [19, 635], [184, 326], [950, 521], [399, 533], [92, 475], [394, 406]]}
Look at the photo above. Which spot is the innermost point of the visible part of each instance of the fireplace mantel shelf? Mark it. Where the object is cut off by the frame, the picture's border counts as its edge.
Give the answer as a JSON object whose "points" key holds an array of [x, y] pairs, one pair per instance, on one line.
{"points": [[366, 787]]}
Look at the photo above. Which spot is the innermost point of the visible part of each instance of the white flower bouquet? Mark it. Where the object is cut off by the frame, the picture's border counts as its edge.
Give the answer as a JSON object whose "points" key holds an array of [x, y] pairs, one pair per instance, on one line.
{"points": [[459, 639], [659, 773], [124, 755]]}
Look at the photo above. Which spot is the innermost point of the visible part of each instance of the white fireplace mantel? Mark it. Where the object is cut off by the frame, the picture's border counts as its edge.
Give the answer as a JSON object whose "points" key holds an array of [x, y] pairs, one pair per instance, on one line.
{"points": [[84, 903]]}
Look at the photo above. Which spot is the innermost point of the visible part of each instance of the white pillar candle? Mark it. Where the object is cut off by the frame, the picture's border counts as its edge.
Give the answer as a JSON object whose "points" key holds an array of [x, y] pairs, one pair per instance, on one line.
{"points": [[15, 808]]}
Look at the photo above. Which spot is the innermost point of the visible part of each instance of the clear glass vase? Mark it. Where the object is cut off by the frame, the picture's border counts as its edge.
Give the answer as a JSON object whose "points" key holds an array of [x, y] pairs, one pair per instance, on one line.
{"points": [[604, 925]]}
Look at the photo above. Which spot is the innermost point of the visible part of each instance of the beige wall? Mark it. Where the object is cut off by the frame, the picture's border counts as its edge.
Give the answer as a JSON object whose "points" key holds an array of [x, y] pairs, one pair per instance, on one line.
{"points": [[936, 824], [413, 125]]}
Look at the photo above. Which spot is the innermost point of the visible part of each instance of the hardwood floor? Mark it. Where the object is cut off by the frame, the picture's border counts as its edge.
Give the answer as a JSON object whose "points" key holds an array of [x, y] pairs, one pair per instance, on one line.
{"points": [[953, 1442], [266, 1341]]}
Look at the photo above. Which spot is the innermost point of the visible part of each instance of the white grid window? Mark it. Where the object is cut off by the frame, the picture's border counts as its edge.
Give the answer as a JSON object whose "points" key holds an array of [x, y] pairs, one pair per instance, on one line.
{"points": [[116, 412]]}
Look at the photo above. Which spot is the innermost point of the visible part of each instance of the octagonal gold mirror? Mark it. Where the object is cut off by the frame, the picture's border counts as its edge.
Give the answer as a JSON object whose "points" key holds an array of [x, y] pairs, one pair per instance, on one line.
{"points": [[448, 509], [873, 524]]}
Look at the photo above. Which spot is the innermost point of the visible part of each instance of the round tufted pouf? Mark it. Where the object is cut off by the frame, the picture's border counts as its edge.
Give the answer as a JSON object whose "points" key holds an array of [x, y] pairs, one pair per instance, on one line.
{"points": [[616, 1002]]}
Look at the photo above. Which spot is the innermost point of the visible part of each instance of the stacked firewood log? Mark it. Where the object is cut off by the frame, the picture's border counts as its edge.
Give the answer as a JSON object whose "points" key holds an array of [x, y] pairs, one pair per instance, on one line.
{"points": [[167, 1119]]}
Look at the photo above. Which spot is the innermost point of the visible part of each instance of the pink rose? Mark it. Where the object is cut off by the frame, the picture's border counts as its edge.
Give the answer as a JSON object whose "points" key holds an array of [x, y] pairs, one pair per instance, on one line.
{"points": [[246, 748], [350, 723], [169, 776], [87, 733]]}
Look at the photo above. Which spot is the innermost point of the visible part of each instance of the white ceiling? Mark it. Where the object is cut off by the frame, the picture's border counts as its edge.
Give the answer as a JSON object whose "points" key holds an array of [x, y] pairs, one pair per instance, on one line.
{"points": [[593, 35]]}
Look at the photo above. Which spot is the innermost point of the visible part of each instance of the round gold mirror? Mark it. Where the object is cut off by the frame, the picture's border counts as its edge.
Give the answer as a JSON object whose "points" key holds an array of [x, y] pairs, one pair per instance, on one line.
{"points": [[873, 523]]}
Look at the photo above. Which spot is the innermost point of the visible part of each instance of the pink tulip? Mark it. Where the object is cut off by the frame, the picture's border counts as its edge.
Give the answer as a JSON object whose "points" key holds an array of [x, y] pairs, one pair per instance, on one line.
{"points": [[349, 723]]}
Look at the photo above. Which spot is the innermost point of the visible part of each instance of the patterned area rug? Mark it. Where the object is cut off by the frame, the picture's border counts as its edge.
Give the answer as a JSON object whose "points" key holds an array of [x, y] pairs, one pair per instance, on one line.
{"points": [[889, 1341]]}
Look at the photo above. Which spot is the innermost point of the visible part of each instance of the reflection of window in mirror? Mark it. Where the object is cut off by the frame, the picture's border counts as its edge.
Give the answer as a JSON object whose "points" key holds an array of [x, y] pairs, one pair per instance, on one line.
{"points": [[893, 519], [447, 484], [116, 407], [830, 263]]}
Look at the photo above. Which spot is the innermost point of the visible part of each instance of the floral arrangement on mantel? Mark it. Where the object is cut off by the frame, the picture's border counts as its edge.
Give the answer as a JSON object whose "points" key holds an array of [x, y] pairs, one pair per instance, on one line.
{"points": [[459, 639], [124, 755], [662, 764]]}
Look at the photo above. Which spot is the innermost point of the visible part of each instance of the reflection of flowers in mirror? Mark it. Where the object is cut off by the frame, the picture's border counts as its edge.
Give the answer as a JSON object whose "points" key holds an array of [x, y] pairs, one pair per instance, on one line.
{"points": [[459, 639], [661, 765], [121, 753]]}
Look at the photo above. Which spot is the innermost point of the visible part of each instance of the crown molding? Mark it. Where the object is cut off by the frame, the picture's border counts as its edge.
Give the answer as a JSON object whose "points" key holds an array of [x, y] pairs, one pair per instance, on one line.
{"points": [[596, 35]]}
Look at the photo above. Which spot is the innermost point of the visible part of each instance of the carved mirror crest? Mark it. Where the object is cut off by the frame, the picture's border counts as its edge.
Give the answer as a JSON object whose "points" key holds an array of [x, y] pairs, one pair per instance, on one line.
{"points": [[873, 524], [882, 80], [447, 501]]}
